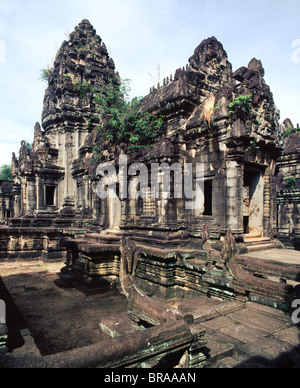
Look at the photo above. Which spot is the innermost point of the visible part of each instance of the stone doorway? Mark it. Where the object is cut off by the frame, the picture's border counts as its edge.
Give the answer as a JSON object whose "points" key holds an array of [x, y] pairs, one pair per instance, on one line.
{"points": [[253, 202], [50, 195], [114, 207]]}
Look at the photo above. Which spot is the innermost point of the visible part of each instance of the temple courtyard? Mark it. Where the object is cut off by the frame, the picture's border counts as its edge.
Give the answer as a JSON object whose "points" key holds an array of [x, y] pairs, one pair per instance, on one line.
{"points": [[44, 319]]}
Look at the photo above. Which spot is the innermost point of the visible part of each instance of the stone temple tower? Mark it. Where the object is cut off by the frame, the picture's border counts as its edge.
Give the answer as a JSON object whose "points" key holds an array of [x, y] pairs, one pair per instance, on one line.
{"points": [[45, 172]]}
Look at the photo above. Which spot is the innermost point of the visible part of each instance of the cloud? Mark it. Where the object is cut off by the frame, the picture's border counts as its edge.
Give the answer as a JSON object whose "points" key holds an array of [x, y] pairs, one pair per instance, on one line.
{"points": [[140, 34]]}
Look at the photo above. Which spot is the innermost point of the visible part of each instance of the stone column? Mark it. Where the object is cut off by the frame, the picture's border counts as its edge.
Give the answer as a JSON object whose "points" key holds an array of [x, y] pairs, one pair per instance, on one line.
{"points": [[267, 203], [69, 182], [39, 194], [234, 197], [17, 200], [31, 196], [219, 200]]}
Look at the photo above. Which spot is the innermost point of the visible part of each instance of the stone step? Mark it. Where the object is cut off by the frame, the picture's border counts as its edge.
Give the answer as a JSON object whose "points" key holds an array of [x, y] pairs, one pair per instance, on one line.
{"points": [[257, 240], [261, 247], [260, 243]]}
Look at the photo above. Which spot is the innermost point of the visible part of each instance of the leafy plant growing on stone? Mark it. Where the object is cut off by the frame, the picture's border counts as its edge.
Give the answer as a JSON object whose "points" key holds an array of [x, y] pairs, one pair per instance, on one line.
{"points": [[291, 183], [85, 90], [121, 120], [45, 74], [253, 146], [241, 106], [288, 131]]}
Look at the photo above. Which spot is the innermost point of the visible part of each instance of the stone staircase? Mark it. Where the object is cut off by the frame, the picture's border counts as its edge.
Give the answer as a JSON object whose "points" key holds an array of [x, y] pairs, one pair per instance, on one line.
{"points": [[258, 243]]}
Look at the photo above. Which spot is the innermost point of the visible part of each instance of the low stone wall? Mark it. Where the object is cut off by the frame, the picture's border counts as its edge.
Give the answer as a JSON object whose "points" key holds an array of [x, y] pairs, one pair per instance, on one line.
{"points": [[168, 273], [32, 243], [289, 218]]}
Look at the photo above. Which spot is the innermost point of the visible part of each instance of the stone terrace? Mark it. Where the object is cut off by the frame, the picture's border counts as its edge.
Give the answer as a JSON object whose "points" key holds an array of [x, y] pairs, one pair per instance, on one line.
{"points": [[237, 334]]}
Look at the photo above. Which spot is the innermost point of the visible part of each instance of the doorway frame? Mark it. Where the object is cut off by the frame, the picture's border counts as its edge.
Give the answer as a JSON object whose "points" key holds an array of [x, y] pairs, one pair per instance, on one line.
{"points": [[254, 179]]}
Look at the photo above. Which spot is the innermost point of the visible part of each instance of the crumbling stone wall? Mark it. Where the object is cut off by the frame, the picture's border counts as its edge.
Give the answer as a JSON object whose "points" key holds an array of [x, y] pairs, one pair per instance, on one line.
{"points": [[49, 181], [200, 128], [6, 201], [203, 124], [288, 186]]}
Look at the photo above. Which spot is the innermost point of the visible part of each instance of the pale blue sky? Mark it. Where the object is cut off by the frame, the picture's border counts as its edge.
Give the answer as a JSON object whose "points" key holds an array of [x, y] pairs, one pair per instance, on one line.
{"points": [[140, 35]]}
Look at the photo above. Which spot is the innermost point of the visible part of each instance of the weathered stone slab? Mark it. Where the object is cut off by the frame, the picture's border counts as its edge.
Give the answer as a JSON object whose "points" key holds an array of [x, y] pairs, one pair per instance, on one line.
{"points": [[204, 309], [259, 320], [217, 349], [290, 335], [230, 362], [269, 348], [118, 325], [229, 307], [235, 329], [268, 310]]}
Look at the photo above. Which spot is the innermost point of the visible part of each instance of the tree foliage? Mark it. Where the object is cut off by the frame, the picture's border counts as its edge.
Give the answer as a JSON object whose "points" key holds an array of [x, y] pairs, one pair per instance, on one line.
{"points": [[241, 106], [5, 173], [120, 119], [28, 146]]}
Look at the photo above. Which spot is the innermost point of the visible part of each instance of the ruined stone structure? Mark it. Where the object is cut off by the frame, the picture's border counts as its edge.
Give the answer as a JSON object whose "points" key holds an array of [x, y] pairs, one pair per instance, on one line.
{"points": [[288, 186], [160, 244], [238, 149], [50, 181], [225, 121], [205, 123], [6, 201]]}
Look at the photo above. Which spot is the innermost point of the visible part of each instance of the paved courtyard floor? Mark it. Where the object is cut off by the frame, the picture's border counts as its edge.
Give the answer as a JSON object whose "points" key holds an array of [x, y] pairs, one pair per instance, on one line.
{"points": [[287, 256], [58, 319], [54, 320]]}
